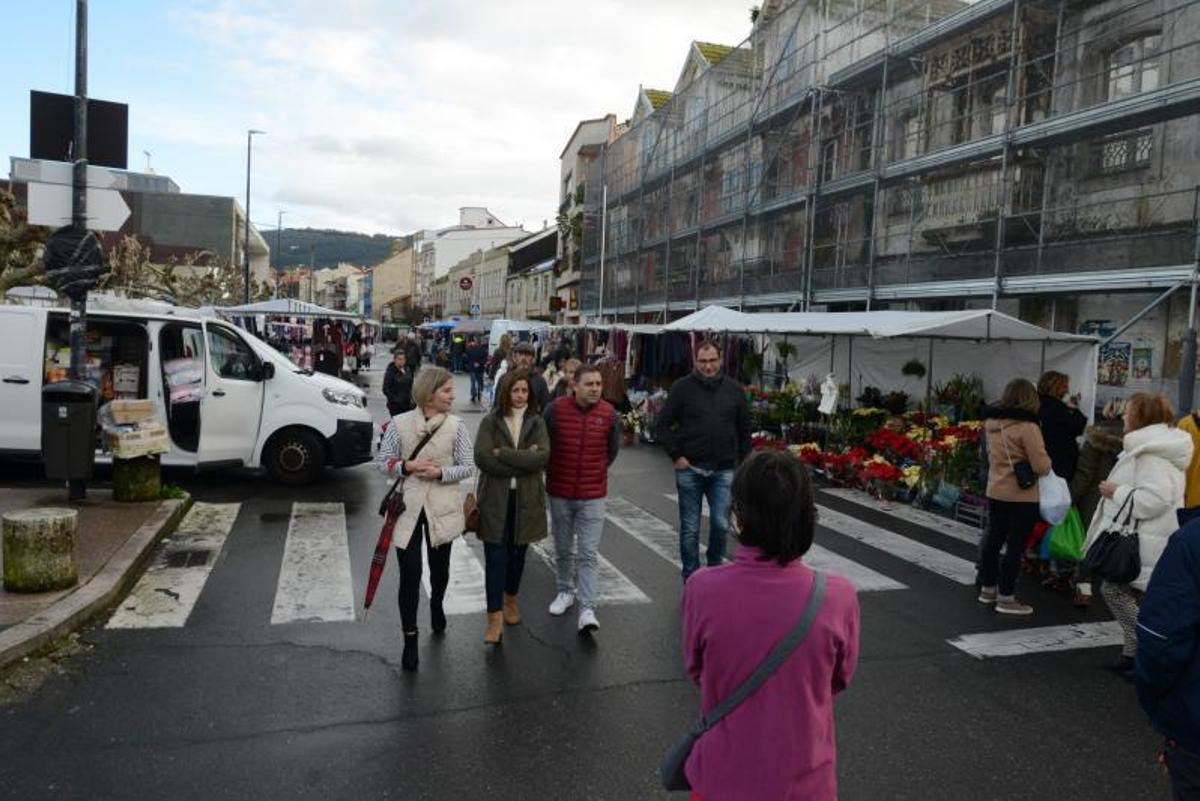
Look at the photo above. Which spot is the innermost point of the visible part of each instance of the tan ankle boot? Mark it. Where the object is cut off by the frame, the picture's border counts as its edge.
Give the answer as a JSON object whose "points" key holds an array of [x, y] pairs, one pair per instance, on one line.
{"points": [[512, 614], [495, 628]]}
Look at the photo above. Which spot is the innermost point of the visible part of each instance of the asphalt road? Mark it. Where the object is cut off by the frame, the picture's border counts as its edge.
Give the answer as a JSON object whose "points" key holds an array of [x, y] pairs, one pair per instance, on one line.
{"points": [[229, 705]]}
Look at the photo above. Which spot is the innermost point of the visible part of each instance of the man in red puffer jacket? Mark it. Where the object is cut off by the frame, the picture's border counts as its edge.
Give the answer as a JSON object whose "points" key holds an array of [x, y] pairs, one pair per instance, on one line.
{"points": [[584, 440]]}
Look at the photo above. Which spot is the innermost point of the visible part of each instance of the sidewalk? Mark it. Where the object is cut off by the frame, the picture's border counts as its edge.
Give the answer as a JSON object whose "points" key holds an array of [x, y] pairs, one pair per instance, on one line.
{"points": [[112, 541]]}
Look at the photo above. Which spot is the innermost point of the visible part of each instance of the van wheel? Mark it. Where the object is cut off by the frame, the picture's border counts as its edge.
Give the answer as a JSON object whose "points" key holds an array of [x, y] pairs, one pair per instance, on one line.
{"points": [[294, 456]]}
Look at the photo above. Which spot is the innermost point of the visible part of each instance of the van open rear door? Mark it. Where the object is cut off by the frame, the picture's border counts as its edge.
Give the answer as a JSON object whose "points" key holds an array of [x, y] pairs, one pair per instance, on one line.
{"points": [[23, 334]]}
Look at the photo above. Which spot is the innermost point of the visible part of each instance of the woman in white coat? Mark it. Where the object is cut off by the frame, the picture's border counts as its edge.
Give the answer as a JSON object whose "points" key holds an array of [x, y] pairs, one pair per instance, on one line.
{"points": [[433, 512], [1151, 468]]}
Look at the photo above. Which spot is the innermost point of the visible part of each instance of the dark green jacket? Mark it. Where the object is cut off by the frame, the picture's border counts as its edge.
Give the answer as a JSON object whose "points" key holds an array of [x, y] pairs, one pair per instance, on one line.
{"points": [[495, 471]]}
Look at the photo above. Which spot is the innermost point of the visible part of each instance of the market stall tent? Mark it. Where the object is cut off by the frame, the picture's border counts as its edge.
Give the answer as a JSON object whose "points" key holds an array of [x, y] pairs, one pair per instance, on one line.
{"points": [[287, 307], [869, 349]]}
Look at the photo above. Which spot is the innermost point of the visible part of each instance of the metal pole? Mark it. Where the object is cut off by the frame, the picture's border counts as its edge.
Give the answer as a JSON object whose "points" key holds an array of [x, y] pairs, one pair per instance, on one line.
{"points": [[278, 252], [603, 242], [246, 244], [77, 488], [1187, 371]]}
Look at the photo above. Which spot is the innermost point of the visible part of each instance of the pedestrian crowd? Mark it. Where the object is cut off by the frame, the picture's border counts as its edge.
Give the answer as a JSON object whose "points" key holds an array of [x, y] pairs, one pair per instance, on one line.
{"points": [[1135, 483], [762, 632], [541, 460]]}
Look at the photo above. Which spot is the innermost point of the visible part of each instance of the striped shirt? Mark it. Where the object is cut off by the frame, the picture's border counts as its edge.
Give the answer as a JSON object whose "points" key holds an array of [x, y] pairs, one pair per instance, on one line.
{"points": [[464, 455]]}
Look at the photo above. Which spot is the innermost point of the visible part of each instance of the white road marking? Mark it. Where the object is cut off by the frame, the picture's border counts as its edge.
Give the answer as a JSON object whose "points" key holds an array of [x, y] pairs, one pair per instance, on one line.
{"points": [[1020, 642], [315, 583], [862, 577], [165, 596], [467, 592], [656, 534], [933, 559], [903, 511], [612, 587]]}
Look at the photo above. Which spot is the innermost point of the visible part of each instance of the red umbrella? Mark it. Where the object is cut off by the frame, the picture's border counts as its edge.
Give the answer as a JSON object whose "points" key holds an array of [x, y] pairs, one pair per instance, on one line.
{"points": [[379, 560]]}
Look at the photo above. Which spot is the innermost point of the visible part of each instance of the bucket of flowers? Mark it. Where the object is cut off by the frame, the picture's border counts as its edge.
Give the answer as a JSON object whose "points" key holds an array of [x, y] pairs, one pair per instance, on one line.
{"points": [[632, 423]]}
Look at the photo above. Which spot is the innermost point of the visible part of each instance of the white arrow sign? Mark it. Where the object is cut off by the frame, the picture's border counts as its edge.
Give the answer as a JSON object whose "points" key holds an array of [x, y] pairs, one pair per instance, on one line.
{"points": [[50, 204]]}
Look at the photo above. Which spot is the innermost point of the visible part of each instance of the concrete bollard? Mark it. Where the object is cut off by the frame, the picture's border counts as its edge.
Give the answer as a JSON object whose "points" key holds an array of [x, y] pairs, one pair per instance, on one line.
{"points": [[39, 550]]}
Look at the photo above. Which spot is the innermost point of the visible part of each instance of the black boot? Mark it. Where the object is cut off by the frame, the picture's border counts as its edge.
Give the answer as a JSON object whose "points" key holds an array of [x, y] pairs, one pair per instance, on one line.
{"points": [[437, 617], [409, 659]]}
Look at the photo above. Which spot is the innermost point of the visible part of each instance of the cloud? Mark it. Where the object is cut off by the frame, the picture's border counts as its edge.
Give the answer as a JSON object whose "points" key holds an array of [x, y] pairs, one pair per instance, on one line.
{"points": [[388, 116]]}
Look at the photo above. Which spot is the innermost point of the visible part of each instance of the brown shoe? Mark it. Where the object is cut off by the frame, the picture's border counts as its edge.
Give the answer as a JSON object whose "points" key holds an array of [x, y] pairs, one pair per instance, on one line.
{"points": [[1013, 607], [495, 628], [512, 614]]}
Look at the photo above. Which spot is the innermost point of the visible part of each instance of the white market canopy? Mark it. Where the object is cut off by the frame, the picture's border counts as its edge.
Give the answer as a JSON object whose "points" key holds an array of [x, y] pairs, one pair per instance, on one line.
{"points": [[287, 307], [865, 349], [981, 324]]}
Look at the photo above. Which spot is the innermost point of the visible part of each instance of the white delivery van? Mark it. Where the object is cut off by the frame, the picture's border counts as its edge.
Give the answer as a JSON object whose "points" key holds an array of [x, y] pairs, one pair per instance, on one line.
{"points": [[225, 396]]}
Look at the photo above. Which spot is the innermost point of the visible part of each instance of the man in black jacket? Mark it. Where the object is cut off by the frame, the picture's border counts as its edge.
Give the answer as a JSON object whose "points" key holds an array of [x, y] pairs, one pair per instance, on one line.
{"points": [[397, 383], [705, 427]]}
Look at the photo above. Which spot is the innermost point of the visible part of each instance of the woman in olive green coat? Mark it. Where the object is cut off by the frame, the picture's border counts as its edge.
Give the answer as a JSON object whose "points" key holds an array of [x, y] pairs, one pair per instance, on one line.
{"points": [[512, 448]]}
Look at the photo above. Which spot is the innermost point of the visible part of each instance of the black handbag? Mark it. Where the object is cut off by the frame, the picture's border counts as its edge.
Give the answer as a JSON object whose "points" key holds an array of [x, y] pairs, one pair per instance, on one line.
{"points": [[393, 501], [1115, 555], [671, 770], [1022, 470]]}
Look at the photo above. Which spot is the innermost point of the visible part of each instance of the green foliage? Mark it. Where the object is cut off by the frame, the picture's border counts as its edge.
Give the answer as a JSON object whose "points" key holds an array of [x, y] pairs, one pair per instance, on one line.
{"points": [[20, 246], [171, 492], [328, 248], [914, 368]]}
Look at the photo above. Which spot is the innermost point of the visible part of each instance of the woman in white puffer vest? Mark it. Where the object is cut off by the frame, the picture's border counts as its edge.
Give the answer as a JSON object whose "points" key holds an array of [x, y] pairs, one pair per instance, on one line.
{"points": [[1151, 468]]}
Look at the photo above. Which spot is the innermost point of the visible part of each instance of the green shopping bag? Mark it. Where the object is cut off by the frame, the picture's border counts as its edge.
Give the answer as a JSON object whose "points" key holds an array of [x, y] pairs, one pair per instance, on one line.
{"points": [[1066, 539]]}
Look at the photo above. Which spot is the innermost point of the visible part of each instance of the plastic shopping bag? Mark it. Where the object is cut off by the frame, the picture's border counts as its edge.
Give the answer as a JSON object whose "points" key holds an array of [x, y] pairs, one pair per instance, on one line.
{"points": [[1066, 539], [1054, 498]]}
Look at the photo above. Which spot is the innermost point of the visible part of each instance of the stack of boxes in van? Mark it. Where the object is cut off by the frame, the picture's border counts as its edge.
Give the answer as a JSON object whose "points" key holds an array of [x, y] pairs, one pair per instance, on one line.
{"points": [[130, 430]]}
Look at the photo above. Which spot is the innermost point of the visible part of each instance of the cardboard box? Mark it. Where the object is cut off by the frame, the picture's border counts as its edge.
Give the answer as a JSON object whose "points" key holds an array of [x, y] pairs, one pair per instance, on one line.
{"points": [[146, 439], [132, 411]]}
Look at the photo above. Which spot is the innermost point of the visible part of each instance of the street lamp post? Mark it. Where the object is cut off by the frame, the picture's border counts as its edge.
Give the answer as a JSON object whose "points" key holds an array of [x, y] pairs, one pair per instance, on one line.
{"points": [[246, 245], [278, 251]]}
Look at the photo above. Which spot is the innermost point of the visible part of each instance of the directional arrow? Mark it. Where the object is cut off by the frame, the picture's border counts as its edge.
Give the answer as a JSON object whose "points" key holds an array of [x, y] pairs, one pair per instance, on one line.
{"points": [[50, 204]]}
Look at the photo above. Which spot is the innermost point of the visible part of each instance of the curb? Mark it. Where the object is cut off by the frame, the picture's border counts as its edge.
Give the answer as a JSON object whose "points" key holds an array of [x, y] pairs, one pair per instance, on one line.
{"points": [[99, 592]]}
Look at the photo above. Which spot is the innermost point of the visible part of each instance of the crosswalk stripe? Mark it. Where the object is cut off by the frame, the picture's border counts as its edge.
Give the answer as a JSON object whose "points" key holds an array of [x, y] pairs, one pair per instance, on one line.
{"points": [[918, 553], [166, 594], [649, 530], [315, 584], [944, 525], [612, 587], [1045, 639], [467, 592], [862, 577]]}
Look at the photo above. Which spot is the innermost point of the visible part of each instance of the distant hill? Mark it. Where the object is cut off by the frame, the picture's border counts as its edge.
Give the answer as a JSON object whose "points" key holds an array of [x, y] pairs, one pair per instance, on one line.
{"points": [[327, 248]]}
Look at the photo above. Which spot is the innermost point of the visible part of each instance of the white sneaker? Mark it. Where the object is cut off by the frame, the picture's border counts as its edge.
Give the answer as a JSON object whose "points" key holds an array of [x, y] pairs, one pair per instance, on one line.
{"points": [[561, 603], [587, 621]]}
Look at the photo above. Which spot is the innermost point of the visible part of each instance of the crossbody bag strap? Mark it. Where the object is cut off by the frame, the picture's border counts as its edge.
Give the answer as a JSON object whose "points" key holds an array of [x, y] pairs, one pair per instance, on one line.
{"points": [[424, 441], [779, 654]]}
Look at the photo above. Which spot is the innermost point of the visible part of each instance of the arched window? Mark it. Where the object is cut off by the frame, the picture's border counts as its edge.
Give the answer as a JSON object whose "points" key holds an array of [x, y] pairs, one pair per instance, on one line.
{"points": [[1133, 67]]}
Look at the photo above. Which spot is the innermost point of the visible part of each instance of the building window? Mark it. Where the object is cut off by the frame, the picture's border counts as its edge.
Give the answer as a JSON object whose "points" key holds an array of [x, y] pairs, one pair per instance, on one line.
{"points": [[829, 157], [1133, 67], [1122, 152], [909, 135], [998, 108]]}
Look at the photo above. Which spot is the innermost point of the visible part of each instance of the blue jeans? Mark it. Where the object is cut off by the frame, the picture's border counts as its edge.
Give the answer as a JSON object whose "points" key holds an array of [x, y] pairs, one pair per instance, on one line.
{"points": [[693, 487], [577, 528], [505, 562], [476, 384]]}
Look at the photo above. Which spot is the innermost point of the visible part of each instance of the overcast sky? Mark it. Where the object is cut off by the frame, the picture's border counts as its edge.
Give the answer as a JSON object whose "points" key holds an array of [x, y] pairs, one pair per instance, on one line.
{"points": [[382, 116]]}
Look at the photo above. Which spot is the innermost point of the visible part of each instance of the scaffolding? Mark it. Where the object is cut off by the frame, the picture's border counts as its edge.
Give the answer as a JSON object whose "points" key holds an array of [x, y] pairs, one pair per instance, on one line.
{"points": [[851, 153]]}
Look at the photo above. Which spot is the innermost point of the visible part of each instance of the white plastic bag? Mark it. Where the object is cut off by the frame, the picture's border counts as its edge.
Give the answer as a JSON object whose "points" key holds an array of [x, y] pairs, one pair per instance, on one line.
{"points": [[1054, 498]]}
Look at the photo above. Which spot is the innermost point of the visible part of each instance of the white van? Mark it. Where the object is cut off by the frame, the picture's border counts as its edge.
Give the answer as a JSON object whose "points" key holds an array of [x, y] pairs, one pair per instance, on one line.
{"points": [[226, 397]]}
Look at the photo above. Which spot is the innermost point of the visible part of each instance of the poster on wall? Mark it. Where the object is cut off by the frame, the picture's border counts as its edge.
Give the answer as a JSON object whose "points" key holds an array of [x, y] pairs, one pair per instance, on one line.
{"points": [[1113, 369], [1143, 358]]}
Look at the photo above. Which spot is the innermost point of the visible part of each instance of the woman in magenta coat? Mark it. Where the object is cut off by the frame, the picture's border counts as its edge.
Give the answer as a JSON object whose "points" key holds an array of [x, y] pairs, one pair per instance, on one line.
{"points": [[779, 743]]}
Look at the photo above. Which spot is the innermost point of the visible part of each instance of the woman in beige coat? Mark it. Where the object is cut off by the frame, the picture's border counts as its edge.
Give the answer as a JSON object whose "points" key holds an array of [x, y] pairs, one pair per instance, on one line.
{"points": [[1013, 437]]}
